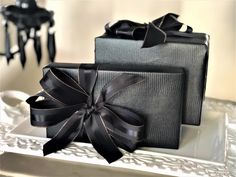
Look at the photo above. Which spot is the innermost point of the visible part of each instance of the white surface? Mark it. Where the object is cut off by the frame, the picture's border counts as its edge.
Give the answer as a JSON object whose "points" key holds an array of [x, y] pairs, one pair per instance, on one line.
{"points": [[208, 150], [205, 142], [193, 140]]}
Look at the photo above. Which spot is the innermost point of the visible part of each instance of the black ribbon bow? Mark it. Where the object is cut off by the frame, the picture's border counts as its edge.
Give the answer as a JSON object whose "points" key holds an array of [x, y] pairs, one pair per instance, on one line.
{"points": [[153, 33], [107, 126]]}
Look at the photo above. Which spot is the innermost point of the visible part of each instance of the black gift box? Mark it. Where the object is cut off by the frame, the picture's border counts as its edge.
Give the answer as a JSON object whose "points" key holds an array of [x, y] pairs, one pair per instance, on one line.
{"points": [[189, 52], [158, 99]]}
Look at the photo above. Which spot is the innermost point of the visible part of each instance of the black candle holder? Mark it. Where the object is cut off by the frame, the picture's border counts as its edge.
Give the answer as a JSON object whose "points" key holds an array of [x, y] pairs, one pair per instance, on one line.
{"points": [[28, 19]]}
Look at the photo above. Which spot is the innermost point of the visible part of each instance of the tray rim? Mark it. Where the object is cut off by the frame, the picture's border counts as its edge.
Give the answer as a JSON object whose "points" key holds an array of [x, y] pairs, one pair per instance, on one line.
{"points": [[140, 160]]}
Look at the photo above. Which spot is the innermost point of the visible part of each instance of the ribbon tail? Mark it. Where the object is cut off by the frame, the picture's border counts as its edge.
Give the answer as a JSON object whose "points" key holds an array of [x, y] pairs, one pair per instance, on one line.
{"points": [[69, 131], [100, 139], [153, 36]]}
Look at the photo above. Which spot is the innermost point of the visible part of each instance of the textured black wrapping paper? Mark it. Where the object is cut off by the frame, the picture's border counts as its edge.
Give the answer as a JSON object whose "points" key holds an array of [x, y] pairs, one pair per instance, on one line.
{"points": [[189, 53], [158, 99]]}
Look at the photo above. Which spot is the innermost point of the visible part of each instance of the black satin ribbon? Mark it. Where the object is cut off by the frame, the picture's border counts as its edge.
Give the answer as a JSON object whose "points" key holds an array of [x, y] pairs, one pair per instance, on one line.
{"points": [[152, 34], [107, 126]]}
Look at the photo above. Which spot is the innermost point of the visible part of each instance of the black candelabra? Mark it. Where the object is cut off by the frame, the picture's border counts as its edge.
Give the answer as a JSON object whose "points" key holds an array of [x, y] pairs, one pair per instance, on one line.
{"points": [[28, 19]]}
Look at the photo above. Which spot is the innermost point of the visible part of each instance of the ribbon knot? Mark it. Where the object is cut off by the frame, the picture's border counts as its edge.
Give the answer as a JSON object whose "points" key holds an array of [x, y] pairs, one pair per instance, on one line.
{"points": [[107, 126], [90, 110], [152, 34]]}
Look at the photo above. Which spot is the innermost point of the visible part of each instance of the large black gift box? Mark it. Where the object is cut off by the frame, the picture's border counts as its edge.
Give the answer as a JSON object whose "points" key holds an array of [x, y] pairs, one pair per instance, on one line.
{"points": [[157, 99], [181, 49]]}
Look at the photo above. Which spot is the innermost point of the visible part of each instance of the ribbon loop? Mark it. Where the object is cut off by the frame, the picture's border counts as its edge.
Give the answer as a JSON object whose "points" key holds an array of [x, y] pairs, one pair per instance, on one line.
{"points": [[107, 126], [152, 34], [62, 87], [123, 125]]}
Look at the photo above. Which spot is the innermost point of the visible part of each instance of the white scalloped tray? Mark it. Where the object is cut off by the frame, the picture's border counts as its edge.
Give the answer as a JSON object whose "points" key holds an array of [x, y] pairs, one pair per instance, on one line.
{"points": [[207, 150]]}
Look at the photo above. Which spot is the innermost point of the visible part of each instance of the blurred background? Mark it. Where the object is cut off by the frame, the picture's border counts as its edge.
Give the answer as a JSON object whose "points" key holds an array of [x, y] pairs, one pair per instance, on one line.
{"points": [[78, 22]]}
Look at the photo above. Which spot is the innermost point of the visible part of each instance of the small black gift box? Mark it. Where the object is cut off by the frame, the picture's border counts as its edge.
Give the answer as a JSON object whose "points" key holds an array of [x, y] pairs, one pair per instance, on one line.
{"points": [[135, 106], [160, 43]]}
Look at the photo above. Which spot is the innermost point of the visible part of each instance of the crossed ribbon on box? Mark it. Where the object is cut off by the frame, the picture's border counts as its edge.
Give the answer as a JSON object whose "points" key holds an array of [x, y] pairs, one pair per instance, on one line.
{"points": [[107, 126]]}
